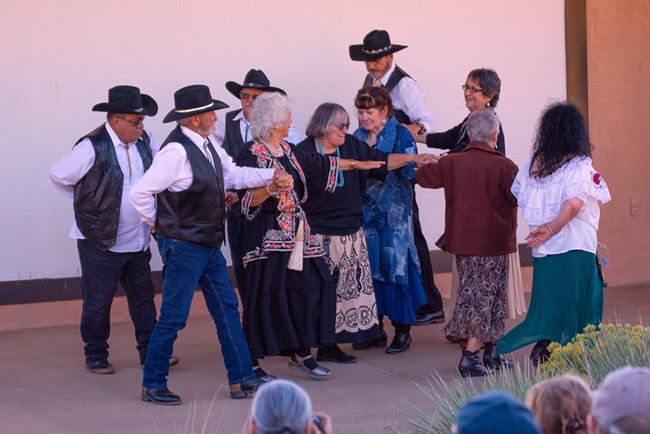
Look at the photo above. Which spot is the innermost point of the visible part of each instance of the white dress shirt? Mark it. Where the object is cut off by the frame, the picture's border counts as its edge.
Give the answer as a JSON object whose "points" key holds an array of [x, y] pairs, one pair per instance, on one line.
{"points": [[171, 170], [132, 234], [408, 96], [219, 130]]}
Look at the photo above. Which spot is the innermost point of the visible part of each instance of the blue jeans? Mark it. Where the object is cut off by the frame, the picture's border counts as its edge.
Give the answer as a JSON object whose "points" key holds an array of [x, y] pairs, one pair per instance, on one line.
{"points": [[187, 265], [101, 271]]}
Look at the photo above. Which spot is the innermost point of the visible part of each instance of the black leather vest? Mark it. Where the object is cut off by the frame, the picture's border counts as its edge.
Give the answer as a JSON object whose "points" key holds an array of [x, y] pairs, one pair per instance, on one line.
{"points": [[195, 214], [98, 195], [394, 78]]}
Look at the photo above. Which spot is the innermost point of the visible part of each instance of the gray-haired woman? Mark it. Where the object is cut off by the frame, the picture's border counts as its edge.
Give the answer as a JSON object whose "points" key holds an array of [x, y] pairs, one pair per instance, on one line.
{"points": [[283, 407], [290, 293], [336, 218]]}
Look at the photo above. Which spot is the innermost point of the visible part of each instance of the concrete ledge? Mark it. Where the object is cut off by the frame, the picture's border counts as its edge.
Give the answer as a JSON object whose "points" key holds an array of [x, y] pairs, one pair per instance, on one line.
{"points": [[69, 288]]}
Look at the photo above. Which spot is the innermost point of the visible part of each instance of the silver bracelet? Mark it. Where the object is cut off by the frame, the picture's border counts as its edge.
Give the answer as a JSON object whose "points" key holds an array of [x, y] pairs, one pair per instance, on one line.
{"points": [[267, 189]]}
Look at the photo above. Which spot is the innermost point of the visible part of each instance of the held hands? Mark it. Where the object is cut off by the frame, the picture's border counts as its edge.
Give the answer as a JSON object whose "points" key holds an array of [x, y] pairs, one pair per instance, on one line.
{"points": [[538, 237], [231, 198], [423, 159], [282, 180]]}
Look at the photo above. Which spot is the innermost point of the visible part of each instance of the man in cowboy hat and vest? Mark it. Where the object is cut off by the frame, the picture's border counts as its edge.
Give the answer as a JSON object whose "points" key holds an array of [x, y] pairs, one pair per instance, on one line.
{"points": [[410, 109], [113, 243], [231, 134], [182, 198]]}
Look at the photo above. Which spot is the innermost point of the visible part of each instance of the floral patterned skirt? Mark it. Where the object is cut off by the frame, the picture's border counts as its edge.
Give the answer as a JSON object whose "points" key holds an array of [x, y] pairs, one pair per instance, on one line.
{"points": [[480, 308], [356, 307]]}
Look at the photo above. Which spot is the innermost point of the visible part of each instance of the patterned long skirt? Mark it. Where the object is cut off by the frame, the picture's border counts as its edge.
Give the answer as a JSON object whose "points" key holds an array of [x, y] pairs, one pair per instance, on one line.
{"points": [[480, 308], [515, 290], [356, 307]]}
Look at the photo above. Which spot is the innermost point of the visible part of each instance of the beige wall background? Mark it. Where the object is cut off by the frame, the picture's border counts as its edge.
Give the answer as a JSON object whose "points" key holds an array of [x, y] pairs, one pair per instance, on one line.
{"points": [[618, 53], [59, 58]]}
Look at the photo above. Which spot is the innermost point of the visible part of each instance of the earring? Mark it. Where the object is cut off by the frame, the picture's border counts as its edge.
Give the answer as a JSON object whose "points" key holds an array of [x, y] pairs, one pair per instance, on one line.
{"points": [[384, 122], [488, 104]]}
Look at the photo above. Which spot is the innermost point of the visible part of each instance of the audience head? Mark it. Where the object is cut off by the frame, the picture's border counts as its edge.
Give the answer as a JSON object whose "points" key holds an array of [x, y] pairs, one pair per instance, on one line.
{"points": [[271, 111], [483, 126], [495, 413], [561, 135], [621, 404], [280, 407], [484, 85], [561, 404]]}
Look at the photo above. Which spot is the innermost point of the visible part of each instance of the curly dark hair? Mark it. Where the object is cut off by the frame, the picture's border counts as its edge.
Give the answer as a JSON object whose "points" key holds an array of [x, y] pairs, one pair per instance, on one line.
{"points": [[374, 97], [561, 136]]}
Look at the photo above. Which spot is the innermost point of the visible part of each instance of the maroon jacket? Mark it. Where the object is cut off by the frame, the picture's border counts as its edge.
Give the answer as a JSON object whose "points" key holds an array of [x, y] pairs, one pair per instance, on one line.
{"points": [[481, 212]]}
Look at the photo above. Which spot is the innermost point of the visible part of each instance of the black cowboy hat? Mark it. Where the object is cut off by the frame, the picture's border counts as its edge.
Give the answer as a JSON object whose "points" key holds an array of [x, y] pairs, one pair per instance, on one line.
{"points": [[255, 79], [193, 100], [127, 100], [376, 45]]}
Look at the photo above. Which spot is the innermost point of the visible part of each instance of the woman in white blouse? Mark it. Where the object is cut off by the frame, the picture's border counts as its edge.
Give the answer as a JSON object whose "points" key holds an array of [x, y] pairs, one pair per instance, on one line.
{"points": [[558, 191]]}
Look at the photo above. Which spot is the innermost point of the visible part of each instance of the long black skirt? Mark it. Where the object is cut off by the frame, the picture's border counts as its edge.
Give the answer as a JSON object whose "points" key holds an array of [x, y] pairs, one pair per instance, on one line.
{"points": [[285, 310]]}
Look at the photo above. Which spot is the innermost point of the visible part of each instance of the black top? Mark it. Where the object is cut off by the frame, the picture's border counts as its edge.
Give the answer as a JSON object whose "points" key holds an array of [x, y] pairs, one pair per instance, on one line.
{"points": [[456, 139], [341, 212]]}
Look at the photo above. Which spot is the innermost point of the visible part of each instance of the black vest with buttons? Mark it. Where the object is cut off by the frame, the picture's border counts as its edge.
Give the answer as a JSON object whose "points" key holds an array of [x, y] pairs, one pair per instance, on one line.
{"points": [[98, 195], [233, 142], [197, 213], [394, 78]]}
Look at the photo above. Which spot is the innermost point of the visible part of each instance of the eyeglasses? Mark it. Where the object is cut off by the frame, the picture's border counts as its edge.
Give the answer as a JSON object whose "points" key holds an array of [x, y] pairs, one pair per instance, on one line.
{"points": [[341, 126], [471, 89], [134, 123], [245, 96]]}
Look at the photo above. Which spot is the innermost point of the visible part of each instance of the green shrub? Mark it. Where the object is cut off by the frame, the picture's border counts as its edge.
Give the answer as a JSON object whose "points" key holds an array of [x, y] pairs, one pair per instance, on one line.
{"points": [[591, 355]]}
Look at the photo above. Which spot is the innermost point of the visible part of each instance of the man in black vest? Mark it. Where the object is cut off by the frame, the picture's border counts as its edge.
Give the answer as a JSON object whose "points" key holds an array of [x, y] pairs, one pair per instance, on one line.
{"points": [[113, 243], [410, 109], [189, 177], [231, 134]]}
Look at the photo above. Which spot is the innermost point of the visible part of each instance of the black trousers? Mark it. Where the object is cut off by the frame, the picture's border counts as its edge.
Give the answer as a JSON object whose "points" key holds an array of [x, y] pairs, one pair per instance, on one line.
{"points": [[235, 232], [100, 274], [433, 294]]}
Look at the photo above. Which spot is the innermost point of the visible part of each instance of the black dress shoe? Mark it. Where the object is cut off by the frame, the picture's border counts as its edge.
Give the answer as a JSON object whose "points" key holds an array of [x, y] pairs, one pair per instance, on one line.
{"points": [[245, 388], [493, 361], [332, 353], [379, 342], [470, 365], [401, 342], [540, 353], [160, 396], [428, 316], [262, 374], [99, 366]]}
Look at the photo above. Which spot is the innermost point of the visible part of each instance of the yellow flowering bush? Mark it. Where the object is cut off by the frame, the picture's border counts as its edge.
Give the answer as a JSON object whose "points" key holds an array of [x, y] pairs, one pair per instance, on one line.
{"points": [[598, 351], [591, 354]]}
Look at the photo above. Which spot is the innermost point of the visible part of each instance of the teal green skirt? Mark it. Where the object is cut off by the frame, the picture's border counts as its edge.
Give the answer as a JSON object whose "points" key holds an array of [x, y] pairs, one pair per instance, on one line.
{"points": [[567, 296]]}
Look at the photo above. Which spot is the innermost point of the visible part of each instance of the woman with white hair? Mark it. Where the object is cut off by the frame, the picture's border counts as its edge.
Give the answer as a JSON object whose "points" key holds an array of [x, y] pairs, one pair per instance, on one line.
{"points": [[283, 407], [290, 293]]}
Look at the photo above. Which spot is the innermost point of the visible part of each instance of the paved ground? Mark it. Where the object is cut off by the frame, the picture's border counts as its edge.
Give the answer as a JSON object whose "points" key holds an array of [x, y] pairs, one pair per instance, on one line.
{"points": [[45, 388]]}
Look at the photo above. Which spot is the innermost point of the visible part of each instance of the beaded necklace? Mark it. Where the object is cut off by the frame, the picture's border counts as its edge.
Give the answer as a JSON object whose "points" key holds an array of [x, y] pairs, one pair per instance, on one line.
{"points": [[341, 181]]}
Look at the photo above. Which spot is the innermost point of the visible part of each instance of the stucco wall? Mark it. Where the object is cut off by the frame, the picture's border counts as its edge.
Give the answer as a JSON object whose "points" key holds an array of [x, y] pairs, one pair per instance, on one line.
{"points": [[618, 53], [59, 58]]}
